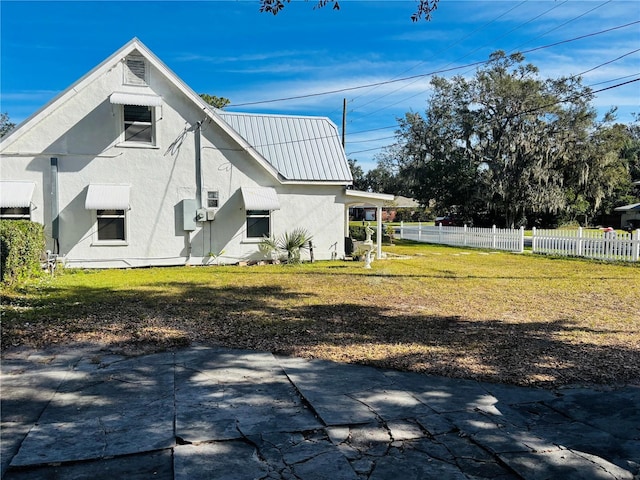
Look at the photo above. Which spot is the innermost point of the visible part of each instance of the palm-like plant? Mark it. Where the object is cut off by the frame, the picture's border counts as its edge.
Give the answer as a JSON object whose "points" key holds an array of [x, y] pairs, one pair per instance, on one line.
{"points": [[293, 243]]}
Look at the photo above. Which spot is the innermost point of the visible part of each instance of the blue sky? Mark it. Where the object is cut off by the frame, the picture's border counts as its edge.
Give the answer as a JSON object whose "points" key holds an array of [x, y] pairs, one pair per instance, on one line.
{"points": [[230, 49]]}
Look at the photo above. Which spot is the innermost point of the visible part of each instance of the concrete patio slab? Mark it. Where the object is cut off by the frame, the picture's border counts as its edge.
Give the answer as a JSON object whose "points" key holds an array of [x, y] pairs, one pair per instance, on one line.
{"points": [[231, 414]]}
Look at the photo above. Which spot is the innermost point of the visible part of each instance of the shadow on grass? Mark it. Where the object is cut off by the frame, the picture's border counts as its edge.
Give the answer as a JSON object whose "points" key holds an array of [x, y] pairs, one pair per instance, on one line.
{"points": [[275, 319]]}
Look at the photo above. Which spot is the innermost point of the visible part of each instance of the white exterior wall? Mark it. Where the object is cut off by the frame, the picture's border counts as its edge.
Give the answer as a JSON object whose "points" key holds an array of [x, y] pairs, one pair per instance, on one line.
{"points": [[313, 207], [84, 132]]}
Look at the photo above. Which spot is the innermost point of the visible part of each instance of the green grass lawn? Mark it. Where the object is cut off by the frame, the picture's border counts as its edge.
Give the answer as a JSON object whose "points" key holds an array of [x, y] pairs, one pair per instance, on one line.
{"points": [[521, 319]]}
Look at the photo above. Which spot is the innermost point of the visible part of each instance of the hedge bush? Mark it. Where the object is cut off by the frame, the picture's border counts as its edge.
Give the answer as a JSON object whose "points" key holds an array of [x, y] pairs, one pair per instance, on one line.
{"points": [[22, 244], [357, 232]]}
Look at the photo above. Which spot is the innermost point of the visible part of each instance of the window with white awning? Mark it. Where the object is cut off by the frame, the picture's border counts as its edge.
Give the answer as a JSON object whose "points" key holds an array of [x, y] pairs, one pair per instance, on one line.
{"points": [[260, 198], [16, 194], [15, 200], [107, 197], [259, 202], [138, 115], [111, 203]]}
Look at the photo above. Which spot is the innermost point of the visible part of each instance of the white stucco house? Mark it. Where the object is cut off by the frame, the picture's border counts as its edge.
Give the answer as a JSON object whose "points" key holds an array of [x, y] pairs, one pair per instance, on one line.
{"points": [[129, 167]]}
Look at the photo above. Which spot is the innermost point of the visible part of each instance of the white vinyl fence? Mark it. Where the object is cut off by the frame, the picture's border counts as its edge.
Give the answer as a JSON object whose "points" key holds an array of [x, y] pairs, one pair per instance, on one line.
{"points": [[492, 238], [600, 245]]}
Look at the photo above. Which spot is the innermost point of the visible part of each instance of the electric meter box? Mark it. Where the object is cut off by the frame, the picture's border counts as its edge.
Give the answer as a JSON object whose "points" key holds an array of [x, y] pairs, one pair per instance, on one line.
{"points": [[189, 207], [205, 214]]}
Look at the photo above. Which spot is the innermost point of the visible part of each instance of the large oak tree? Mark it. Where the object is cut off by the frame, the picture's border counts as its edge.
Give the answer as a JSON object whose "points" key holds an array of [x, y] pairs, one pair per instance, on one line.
{"points": [[509, 145]]}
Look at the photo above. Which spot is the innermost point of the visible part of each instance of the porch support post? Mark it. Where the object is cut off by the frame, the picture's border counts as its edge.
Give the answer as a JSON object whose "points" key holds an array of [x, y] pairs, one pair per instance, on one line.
{"points": [[379, 232], [346, 221]]}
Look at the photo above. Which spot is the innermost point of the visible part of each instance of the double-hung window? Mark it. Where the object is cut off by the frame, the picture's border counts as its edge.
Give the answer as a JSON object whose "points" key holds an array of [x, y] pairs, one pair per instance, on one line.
{"points": [[259, 202], [212, 199], [258, 223], [110, 203], [111, 225], [138, 124]]}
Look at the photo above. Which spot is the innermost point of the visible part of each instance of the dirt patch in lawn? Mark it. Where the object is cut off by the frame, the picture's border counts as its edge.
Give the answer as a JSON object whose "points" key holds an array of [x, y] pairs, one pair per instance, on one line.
{"points": [[494, 318]]}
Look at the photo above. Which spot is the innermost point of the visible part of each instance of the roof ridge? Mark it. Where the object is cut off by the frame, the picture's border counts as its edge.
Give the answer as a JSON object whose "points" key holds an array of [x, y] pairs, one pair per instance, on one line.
{"points": [[274, 115]]}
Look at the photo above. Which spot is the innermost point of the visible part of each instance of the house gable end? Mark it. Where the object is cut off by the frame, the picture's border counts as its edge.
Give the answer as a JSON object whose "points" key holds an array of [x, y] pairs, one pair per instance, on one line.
{"points": [[137, 62]]}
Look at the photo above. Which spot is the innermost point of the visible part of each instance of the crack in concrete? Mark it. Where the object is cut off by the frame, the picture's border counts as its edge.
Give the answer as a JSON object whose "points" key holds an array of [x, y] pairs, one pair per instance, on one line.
{"points": [[303, 400], [105, 441], [378, 443]]}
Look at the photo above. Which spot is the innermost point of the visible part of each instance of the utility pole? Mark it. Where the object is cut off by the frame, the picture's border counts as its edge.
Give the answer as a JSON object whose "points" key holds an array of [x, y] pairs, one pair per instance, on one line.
{"points": [[344, 123]]}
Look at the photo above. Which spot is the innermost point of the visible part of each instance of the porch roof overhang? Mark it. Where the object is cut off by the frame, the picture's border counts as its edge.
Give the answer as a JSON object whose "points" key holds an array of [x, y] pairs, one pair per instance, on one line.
{"points": [[260, 198], [358, 197], [16, 194], [138, 99], [628, 208], [107, 197]]}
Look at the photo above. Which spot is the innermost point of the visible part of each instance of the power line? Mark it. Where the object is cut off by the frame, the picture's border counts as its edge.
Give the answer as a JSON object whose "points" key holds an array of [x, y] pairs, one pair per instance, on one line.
{"points": [[607, 63], [448, 47], [377, 139], [572, 76], [562, 24], [613, 79], [616, 86], [371, 149], [523, 52], [394, 126], [422, 75], [574, 97]]}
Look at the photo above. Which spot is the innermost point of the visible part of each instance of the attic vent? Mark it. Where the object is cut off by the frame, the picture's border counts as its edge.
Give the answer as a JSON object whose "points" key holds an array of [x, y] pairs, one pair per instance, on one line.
{"points": [[135, 70]]}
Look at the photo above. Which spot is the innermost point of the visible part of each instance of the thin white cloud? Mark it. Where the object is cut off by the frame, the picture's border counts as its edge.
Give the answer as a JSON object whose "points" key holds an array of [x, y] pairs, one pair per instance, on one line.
{"points": [[249, 57], [28, 96]]}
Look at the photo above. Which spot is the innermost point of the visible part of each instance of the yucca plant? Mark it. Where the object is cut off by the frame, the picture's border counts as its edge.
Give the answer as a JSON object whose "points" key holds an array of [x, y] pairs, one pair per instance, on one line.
{"points": [[269, 247], [292, 243]]}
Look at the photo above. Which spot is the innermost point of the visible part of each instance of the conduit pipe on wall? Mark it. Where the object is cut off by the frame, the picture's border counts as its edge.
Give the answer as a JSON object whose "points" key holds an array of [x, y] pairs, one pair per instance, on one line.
{"points": [[55, 219]]}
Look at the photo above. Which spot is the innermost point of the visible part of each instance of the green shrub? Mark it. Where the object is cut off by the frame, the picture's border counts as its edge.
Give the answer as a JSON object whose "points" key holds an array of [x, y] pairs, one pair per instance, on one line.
{"points": [[22, 245], [357, 232]]}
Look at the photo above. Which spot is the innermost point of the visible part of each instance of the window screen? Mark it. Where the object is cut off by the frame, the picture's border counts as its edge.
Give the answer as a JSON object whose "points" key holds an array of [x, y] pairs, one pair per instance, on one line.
{"points": [[111, 225], [258, 223], [138, 124]]}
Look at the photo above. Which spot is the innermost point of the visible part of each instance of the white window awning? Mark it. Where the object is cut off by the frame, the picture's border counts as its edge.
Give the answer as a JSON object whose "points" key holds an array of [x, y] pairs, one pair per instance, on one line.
{"points": [[107, 197], [16, 194], [260, 198], [139, 99]]}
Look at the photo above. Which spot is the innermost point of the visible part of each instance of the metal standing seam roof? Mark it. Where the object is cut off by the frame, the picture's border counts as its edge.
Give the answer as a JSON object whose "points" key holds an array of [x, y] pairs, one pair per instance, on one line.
{"points": [[299, 148]]}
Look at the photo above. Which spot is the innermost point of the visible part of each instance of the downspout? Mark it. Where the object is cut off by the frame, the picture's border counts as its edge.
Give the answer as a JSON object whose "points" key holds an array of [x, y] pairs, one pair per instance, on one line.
{"points": [[55, 219], [198, 165]]}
